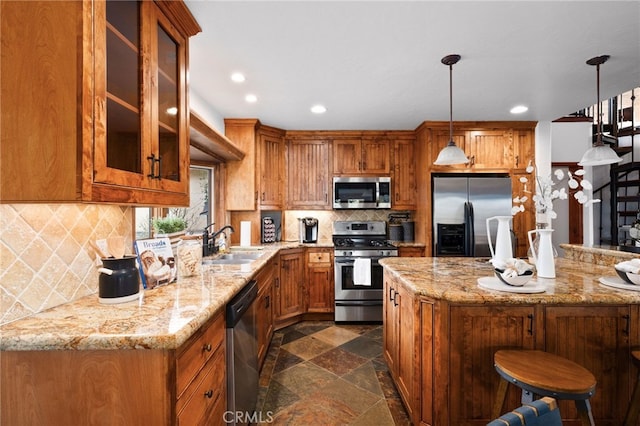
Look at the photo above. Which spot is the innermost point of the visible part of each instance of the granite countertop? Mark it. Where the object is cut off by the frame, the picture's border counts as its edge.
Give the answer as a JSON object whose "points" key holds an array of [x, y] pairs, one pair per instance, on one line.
{"points": [[455, 279], [162, 318]]}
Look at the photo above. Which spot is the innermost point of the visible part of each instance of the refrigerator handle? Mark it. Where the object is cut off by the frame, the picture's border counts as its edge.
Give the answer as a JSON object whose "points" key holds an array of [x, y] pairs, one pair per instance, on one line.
{"points": [[469, 241]]}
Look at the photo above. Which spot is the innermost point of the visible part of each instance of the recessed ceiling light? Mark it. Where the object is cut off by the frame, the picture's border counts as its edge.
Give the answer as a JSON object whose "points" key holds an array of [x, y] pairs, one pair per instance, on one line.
{"points": [[237, 77], [519, 109], [318, 109], [251, 98]]}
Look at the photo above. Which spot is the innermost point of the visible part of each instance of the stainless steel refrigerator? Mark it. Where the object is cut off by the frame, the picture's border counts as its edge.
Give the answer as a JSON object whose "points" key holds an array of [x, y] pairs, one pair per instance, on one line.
{"points": [[461, 204]]}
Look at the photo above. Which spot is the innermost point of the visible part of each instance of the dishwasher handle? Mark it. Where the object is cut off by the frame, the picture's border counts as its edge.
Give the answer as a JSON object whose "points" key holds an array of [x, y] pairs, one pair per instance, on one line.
{"points": [[240, 303]]}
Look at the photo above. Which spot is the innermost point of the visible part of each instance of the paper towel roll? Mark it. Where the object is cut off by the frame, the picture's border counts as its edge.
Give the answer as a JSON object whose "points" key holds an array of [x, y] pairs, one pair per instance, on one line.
{"points": [[245, 233]]}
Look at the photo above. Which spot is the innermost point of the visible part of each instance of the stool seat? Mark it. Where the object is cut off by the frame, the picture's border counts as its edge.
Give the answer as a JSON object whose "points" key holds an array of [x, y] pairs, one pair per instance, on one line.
{"points": [[551, 374], [539, 374]]}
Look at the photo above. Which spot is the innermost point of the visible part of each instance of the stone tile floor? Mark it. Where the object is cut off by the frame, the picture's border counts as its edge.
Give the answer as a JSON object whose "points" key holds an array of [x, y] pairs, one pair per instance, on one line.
{"points": [[322, 373]]}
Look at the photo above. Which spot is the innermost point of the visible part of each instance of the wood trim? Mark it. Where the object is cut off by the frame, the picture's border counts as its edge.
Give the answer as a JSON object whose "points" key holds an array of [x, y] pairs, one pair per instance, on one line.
{"points": [[180, 14], [479, 125], [216, 144]]}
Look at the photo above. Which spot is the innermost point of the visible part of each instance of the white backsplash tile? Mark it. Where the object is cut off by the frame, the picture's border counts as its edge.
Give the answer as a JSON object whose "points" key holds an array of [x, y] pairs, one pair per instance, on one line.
{"points": [[45, 258]]}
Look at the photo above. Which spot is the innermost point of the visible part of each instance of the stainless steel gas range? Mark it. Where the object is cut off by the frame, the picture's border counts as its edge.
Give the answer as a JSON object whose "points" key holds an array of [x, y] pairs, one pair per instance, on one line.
{"points": [[358, 275]]}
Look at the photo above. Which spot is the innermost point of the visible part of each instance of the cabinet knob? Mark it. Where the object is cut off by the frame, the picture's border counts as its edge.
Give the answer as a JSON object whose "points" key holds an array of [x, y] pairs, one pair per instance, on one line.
{"points": [[207, 347], [209, 394]]}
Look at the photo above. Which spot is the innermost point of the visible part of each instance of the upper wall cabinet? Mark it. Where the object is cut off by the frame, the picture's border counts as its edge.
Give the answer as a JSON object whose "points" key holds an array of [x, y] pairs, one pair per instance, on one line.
{"points": [[361, 156], [499, 146], [403, 178], [257, 181], [100, 120], [308, 177]]}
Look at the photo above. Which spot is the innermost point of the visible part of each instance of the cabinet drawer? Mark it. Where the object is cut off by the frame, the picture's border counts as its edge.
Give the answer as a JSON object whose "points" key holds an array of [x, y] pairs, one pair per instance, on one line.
{"points": [[197, 352], [319, 257], [204, 401]]}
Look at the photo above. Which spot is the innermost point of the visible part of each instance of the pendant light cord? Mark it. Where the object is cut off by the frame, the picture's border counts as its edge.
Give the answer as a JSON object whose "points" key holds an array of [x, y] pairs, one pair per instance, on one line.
{"points": [[451, 104]]}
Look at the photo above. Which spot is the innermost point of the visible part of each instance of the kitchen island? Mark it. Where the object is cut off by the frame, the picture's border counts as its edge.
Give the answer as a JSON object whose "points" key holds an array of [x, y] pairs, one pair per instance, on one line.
{"points": [[441, 330]]}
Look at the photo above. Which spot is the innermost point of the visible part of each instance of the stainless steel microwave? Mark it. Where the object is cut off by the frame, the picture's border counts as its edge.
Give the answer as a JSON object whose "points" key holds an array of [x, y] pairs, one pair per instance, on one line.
{"points": [[361, 192]]}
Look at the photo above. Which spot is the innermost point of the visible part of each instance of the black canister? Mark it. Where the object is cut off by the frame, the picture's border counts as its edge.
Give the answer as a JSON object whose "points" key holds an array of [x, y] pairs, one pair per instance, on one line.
{"points": [[396, 233], [408, 228], [119, 280]]}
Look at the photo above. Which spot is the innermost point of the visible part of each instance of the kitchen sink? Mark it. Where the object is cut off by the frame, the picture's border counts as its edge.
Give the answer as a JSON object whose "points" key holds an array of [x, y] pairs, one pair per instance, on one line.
{"points": [[232, 259], [219, 261]]}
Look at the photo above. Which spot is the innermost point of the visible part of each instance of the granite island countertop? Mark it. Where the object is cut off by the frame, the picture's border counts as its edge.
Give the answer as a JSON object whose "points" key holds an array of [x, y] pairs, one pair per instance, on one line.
{"points": [[455, 279], [161, 318]]}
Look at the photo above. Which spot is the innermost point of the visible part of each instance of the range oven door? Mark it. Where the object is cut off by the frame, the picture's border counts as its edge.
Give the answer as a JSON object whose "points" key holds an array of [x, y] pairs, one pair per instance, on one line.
{"points": [[356, 302]]}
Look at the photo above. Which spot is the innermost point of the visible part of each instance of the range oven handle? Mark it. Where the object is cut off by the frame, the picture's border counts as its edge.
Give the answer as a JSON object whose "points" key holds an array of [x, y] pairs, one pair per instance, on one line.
{"points": [[361, 303], [350, 260]]}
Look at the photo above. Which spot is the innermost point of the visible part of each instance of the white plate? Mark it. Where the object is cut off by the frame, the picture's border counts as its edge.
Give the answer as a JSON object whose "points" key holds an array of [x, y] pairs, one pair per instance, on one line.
{"points": [[493, 283], [617, 282]]}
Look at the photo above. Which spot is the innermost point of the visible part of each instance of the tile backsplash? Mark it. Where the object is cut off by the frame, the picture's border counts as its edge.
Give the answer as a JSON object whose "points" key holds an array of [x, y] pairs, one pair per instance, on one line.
{"points": [[45, 257]]}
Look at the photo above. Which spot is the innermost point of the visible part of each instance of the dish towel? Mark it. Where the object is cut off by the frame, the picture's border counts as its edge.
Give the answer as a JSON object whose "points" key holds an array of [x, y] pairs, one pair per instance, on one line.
{"points": [[362, 272]]}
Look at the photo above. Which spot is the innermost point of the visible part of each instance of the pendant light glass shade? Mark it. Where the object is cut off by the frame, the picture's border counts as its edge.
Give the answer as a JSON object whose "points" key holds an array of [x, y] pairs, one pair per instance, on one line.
{"points": [[451, 154], [599, 154]]}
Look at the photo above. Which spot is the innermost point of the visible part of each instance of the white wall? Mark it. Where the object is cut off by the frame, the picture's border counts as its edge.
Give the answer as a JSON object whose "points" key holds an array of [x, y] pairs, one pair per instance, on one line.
{"points": [[569, 141]]}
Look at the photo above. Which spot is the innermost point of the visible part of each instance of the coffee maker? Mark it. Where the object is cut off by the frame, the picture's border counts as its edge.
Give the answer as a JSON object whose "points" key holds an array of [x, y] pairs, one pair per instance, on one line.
{"points": [[308, 229]]}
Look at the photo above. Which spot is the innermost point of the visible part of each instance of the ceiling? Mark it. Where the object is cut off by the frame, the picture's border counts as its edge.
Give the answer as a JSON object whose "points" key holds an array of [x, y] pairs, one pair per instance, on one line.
{"points": [[376, 65]]}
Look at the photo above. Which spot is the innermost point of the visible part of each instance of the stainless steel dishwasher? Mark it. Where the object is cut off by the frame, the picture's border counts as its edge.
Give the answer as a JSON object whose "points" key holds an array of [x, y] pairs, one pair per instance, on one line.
{"points": [[242, 356]]}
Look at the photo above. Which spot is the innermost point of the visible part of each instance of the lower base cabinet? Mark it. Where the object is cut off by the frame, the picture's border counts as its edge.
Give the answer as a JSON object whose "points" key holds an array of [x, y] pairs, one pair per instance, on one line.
{"points": [[440, 354], [130, 387]]}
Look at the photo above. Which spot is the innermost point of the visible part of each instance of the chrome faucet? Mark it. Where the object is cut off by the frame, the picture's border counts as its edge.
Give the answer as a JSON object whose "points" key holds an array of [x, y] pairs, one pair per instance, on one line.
{"points": [[209, 240]]}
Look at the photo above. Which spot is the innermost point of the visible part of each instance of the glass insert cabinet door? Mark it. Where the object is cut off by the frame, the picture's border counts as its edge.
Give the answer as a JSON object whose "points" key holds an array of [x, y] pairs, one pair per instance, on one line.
{"points": [[140, 114]]}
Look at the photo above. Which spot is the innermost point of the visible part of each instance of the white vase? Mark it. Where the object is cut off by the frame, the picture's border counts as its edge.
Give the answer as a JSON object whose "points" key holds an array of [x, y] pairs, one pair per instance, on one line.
{"points": [[543, 254]]}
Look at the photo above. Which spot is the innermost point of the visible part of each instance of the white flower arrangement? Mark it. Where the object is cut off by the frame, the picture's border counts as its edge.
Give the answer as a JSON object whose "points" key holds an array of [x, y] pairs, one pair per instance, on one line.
{"points": [[545, 193]]}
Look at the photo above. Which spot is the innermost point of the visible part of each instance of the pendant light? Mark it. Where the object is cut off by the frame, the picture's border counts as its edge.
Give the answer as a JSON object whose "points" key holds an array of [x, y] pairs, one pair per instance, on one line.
{"points": [[451, 154], [599, 154]]}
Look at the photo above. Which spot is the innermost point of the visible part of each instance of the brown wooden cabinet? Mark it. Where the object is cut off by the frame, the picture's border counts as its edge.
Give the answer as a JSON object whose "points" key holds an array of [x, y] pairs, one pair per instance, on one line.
{"points": [[272, 173], [523, 148], [596, 337], [400, 343], [361, 156], [256, 181], [410, 251], [201, 376], [475, 331], [290, 288], [488, 145], [266, 280], [141, 386], [320, 288], [115, 118], [404, 175], [308, 175]]}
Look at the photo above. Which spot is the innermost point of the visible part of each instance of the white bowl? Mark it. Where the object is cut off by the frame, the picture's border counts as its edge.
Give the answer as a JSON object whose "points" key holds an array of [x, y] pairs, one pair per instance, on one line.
{"points": [[517, 281], [629, 277]]}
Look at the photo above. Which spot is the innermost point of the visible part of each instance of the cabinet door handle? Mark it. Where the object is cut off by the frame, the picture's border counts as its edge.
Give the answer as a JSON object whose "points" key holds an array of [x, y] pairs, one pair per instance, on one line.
{"points": [[395, 301], [517, 160], [152, 166], [207, 347], [268, 302], [627, 324], [263, 196], [530, 329], [159, 161], [473, 160], [390, 296], [209, 394]]}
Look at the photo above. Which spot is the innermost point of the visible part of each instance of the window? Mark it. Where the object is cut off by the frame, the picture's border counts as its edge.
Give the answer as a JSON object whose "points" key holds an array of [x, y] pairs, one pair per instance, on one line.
{"points": [[198, 214]]}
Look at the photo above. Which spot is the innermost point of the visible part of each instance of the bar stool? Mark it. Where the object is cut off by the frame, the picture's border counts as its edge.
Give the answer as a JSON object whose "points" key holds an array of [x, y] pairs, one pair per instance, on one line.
{"points": [[539, 374], [631, 419]]}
